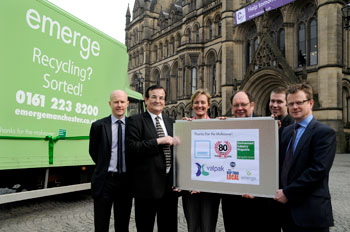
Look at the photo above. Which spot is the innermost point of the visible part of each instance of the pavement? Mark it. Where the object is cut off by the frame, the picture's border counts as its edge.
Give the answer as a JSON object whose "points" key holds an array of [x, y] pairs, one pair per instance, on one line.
{"points": [[74, 212]]}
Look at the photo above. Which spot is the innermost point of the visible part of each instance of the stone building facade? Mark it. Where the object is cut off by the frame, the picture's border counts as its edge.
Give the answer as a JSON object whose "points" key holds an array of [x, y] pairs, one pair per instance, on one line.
{"points": [[184, 45]]}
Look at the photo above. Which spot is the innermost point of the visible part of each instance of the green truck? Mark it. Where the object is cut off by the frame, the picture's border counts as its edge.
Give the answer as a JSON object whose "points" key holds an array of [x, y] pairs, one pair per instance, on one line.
{"points": [[56, 75]]}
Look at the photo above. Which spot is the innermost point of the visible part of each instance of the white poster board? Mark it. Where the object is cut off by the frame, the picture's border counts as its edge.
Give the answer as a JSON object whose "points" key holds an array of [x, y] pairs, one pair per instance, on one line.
{"points": [[232, 156]]}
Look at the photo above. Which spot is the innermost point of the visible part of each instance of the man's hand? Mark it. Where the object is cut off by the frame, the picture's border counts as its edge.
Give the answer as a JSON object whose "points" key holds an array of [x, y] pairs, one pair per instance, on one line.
{"points": [[246, 195], [280, 197], [279, 121], [167, 140]]}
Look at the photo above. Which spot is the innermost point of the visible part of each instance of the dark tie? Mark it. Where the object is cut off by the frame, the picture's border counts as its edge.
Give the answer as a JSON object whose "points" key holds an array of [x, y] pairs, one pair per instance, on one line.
{"points": [[166, 148], [120, 147], [288, 158]]}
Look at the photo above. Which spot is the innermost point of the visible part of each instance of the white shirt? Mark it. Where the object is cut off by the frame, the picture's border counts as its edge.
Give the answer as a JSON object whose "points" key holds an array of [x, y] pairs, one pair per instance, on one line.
{"points": [[153, 116]]}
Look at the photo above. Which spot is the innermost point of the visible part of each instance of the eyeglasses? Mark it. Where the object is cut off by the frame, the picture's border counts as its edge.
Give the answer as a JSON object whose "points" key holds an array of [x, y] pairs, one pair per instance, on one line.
{"points": [[243, 105], [298, 103]]}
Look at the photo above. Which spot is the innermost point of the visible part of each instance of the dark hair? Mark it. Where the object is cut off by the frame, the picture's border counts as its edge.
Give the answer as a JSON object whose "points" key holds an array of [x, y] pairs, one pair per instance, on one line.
{"points": [[153, 87], [279, 90], [306, 88], [250, 98]]}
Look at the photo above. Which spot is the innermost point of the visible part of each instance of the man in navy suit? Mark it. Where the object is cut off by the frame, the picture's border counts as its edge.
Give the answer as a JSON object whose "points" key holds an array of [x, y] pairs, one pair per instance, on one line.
{"points": [[109, 182], [149, 157], [307, 151]]}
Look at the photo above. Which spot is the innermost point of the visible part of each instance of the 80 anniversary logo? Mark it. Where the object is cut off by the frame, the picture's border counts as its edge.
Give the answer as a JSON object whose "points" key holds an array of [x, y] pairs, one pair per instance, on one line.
{"points": [[223, 149]]}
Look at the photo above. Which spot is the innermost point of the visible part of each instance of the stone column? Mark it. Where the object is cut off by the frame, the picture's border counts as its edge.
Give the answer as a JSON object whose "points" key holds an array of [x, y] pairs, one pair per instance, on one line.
{"points": [[330, 68]]}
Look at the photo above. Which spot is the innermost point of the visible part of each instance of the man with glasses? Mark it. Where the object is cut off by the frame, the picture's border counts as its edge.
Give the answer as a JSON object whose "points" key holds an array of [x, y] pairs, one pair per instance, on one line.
{"points": [[307, 151], [242, 104], [241, 213], [149, 153]]}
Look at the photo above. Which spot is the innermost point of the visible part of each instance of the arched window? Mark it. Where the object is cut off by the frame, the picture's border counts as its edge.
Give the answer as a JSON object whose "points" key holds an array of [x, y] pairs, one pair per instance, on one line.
{"points": [[155, 53], [194, 80], [178, 40], [307, 35], [183, 78], [210, 30], [219, 27], [167, 84], [188, 35], [281, 41], [301, 45], [196, 34], [156, 77], [172, 45], [193, 5], [251, 43], [167, 48], [211, 65], [249, 54], [161, 51], [313, 42], [277, 31]]}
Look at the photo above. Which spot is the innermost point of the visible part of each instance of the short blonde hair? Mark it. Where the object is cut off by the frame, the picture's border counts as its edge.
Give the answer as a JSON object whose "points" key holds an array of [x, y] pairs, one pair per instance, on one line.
{"points": [[200, 92]]}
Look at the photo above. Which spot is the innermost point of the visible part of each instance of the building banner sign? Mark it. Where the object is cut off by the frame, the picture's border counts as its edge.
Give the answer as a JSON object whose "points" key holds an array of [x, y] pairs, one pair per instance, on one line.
{"points": [[256, 9]]}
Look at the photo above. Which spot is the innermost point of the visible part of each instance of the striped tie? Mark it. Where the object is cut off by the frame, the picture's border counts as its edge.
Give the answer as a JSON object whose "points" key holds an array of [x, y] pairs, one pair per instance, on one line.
{"points": [[166, 148]]}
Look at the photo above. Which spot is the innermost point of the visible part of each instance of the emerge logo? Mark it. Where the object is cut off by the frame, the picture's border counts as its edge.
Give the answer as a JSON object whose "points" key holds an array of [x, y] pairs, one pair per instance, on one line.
{"points": [[201, 170]]}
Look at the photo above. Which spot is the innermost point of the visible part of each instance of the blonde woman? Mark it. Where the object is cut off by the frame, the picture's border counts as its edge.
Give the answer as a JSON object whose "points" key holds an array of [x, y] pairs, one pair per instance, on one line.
{"points": [[201, 209]]}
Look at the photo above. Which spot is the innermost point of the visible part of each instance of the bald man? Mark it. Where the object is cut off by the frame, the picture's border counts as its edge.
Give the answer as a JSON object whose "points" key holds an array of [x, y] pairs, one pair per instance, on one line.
{"points": [[109, 182]]}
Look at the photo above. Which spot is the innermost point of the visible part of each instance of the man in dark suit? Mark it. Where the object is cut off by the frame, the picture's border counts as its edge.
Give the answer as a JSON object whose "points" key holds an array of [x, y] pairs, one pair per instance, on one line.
{"points": [[235, 208], [278, 109], [109, 183], [149, 158], [307, 151]]}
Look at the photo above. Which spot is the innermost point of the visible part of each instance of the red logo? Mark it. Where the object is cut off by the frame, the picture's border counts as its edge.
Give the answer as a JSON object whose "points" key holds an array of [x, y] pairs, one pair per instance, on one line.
{"points": [[223, 148]]}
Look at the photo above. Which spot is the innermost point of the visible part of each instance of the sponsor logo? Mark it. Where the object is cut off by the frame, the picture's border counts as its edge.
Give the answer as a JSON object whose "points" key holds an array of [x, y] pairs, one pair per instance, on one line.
{"points": [[248, 177], [240, 16], [232, 175], [204, 170], [233, 164], [216, 169], [223, 149], [246, 150], [201, 170]]}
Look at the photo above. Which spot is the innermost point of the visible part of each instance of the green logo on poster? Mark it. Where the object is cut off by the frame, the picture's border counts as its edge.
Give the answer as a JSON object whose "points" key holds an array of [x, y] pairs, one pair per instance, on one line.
{"points": [[245, 150]]}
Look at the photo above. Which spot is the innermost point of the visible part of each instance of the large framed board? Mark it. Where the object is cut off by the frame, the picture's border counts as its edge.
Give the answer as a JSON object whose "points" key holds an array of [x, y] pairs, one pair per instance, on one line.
{"points": [[232, 156]]}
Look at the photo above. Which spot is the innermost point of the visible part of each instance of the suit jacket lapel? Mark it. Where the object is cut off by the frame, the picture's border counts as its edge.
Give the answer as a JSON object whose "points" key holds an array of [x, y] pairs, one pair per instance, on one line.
{"points": [[149, 123], [108, 130], [168, 125], [303, 139]]}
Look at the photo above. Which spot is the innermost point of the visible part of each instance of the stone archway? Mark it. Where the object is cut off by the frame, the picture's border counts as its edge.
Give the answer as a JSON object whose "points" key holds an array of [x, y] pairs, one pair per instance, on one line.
{"points": [[260, 86]]}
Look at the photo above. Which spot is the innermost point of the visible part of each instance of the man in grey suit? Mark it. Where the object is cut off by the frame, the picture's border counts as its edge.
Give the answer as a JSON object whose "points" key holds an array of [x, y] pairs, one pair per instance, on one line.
{"points": [[307, 151], [109, 184]]}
